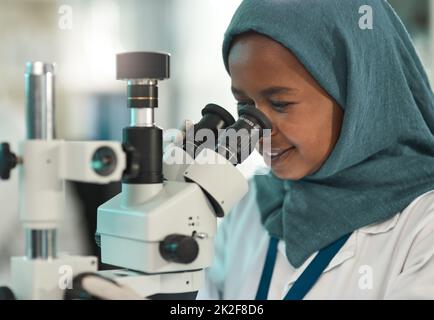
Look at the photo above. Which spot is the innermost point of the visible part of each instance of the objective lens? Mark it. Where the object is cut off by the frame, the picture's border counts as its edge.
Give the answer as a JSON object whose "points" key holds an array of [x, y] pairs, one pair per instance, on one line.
{"points": [[104, 161]]}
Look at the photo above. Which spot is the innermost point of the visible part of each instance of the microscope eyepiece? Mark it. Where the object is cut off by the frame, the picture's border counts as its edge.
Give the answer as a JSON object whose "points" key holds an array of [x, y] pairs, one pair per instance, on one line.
{"points": [[239, 139], [218, 130], [214, 112], [204, 133]]}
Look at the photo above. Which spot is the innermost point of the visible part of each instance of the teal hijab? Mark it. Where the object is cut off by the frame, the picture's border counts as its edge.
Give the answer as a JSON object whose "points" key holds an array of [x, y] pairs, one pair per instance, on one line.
{"points": [[384, 157]]}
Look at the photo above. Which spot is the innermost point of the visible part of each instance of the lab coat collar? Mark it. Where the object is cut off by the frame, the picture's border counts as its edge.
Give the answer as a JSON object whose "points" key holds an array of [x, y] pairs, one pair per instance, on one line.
{"points": [[346, 252], [382, 226], [349, 248]]}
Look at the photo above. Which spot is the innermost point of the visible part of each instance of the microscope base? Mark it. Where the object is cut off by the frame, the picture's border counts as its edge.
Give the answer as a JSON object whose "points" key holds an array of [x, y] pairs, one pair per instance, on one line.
{"points": [[40, 279], [149, 284]]}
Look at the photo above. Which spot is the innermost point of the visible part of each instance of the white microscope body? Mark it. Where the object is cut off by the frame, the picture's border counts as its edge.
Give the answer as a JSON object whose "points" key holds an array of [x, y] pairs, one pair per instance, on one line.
{"points": [[133, 225], [160, 229]]}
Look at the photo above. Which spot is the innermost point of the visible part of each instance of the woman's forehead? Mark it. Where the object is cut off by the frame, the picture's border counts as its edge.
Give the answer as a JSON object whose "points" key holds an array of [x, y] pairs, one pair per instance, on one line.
{"points": [[256, 51], [255, 67]]}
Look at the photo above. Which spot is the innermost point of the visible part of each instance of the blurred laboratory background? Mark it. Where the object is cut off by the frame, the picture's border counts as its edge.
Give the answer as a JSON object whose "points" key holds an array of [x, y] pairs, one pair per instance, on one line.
{"points": [[83, 37]]}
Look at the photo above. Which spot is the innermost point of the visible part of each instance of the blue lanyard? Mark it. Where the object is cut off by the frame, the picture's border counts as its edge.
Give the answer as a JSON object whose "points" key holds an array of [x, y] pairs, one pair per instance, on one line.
{"points": [[309, 276]]}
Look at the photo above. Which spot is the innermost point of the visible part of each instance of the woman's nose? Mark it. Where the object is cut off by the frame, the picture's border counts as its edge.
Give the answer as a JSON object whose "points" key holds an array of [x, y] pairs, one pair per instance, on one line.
{"points": [[267, 113]]}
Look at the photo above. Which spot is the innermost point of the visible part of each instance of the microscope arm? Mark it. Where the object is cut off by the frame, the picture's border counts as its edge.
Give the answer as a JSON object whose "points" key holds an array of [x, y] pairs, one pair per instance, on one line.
{"points": [[46, 164]]}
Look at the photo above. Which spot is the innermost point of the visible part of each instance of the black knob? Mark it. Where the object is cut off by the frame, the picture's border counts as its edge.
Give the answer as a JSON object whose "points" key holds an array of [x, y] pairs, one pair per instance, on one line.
{"points": [[179, 248], [133, 162], [8, 161], [142, 65]]}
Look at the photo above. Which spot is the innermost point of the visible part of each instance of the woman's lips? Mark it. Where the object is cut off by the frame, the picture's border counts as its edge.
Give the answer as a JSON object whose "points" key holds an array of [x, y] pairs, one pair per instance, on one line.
{"points": [[277, 155]]}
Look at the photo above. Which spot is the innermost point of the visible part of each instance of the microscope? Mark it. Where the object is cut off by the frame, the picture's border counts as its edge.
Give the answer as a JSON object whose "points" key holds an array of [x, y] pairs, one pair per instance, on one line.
{"points": [[160, 229]]}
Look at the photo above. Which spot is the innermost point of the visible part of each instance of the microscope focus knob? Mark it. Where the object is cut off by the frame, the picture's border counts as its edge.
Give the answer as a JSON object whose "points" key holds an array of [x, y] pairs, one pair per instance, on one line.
{"points": [[142, 65], [179, 248], [8, 161]]}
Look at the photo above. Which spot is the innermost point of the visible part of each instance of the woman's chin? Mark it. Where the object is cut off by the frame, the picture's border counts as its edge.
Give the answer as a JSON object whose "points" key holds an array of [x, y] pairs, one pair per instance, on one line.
{"points": [[287, 174]]}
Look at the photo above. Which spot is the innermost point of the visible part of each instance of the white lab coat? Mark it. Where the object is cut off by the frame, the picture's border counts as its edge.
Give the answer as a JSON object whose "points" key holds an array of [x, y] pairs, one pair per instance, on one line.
{"points": [[389, 260]]}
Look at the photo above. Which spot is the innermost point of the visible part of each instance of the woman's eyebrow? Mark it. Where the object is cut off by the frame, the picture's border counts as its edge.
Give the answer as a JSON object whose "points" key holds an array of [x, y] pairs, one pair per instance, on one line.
{"points": [[267, 92], [274, 90]]}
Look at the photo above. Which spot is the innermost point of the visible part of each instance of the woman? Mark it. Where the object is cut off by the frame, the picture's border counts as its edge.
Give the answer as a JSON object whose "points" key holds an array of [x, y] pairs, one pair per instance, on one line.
{"points": [[352, 161]]}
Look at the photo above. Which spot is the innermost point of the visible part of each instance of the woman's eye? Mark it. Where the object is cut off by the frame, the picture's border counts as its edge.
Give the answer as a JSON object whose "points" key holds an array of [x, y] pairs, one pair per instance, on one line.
{"points": [[278, 106], [281, 106]]}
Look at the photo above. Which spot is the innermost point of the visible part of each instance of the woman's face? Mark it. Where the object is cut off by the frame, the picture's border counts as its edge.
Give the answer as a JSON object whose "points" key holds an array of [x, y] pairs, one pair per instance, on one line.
{"points": [[306, 120]]}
